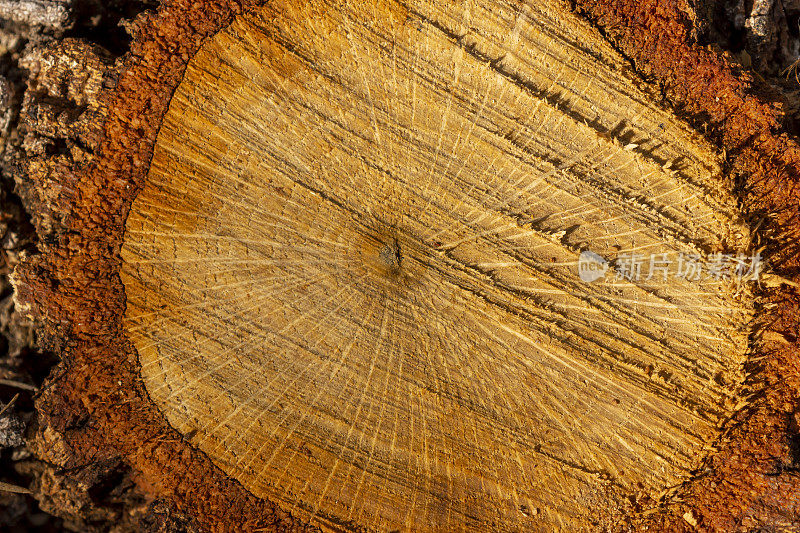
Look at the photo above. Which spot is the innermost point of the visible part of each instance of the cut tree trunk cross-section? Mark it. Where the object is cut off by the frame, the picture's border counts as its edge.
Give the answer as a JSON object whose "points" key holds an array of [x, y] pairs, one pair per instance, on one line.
{"points": [[352, 274]]}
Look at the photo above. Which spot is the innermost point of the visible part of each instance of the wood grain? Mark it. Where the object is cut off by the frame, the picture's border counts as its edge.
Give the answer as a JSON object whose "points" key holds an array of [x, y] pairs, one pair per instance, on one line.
{"points": [[352, 273]]}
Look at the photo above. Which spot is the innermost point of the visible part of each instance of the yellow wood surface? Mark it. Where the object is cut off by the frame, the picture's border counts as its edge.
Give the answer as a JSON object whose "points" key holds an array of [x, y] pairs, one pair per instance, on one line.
{"points": [[352, 272]]}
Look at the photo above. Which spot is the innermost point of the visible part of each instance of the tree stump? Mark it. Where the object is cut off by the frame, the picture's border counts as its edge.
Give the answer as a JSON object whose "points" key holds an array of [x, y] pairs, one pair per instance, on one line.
{"points": [[393, 266]]}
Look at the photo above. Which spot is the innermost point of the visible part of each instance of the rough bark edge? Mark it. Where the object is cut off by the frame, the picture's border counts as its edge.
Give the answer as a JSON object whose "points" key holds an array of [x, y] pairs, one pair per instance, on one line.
{"points": [[97, 403], [753, 478]]}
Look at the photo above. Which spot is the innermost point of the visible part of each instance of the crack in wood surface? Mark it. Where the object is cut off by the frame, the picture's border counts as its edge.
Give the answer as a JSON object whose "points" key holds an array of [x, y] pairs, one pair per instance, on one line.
{"points": [[352, 273]]}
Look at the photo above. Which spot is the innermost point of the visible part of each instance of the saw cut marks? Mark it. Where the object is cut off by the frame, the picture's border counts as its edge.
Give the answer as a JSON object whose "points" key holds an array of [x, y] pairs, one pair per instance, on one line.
{"points": [[352, 272]]}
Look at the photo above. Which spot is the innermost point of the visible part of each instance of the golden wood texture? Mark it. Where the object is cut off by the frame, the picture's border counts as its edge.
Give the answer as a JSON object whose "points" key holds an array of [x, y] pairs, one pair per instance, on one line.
{"points": [[352, 272]]}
